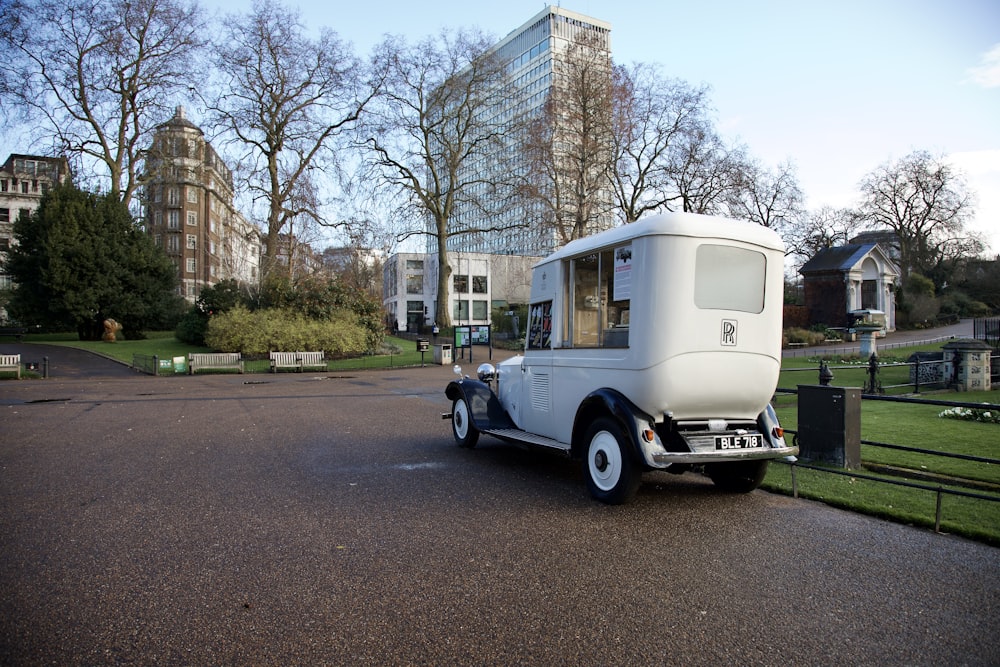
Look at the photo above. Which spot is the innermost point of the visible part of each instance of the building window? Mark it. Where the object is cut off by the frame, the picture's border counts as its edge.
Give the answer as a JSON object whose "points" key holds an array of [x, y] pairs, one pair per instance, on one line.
{"points": [[157, 218], [192, 242], [4, 215], [173, 243], [414, 284], [480, 310], [192, 194], [192, 218], [461, 283], [869, 295], [173, 220], [173, 199], [3, 185], [4, 244], [414, 265], [479, 284], [24, 187], [460, 311], [190, 265], [158, 193]]}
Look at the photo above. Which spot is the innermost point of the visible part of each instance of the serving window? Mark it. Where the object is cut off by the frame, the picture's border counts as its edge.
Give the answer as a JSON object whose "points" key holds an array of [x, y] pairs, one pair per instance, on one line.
{"points": [[599, 299]]}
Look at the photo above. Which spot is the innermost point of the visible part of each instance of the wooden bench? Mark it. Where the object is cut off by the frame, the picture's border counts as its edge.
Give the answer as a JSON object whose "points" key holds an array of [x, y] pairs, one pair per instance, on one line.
{"points": [[312, 360], [297, 360], [11, 363], [215, 361], [281, 360]]}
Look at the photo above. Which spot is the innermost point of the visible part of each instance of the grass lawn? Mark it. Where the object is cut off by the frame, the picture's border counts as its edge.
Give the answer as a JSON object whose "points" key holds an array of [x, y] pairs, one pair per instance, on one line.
{"points": [[911, 426]]}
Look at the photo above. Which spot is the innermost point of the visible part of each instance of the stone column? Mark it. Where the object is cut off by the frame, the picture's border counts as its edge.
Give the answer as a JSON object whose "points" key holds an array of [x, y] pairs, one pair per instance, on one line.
{"points": [[967, 364]]}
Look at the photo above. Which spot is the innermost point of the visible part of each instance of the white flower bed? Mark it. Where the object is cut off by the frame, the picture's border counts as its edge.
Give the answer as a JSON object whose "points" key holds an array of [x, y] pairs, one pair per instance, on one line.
{"points": [[970, 414]]}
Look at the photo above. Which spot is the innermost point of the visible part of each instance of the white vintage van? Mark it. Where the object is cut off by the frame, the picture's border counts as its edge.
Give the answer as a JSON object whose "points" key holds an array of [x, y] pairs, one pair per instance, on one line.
{"points": [[654, 345]]}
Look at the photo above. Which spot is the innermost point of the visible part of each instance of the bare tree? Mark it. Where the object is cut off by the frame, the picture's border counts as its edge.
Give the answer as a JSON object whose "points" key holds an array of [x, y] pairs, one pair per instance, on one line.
{"points": [[570, 144], [704, 170], [658, 124], [826, 227], [926, 203], [770, 198], [95, 75], [434, 138], [283, 98]]}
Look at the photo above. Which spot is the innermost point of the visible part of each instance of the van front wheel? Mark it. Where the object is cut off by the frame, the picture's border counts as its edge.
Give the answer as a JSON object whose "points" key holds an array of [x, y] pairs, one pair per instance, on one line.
{"points": [[613, 477], [466, 433]]}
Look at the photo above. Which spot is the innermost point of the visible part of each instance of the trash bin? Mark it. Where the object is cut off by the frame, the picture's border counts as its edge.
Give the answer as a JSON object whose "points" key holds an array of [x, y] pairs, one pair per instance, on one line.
{"points": [[442, 354]]}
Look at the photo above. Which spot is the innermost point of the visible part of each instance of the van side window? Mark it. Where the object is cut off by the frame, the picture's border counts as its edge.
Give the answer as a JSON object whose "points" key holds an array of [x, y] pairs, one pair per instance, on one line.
{"points": [[600, 312]]}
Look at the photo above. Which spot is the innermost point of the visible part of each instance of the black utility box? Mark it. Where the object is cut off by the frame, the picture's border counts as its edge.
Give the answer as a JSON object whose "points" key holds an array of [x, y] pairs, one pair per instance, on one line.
{"points": [[830, 425]]}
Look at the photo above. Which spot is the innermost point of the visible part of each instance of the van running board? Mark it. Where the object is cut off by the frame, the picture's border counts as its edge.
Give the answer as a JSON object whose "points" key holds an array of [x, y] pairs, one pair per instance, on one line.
{"points": [[517, 435]]}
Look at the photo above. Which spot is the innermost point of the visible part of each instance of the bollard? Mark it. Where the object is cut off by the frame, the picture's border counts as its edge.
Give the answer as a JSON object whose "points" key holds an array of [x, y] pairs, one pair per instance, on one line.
{"points": [[45, 368], [825, 374]]}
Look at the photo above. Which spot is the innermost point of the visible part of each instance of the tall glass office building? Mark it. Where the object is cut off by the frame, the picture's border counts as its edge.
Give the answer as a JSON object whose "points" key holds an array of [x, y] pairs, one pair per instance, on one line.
{"points": [[535, 53]]}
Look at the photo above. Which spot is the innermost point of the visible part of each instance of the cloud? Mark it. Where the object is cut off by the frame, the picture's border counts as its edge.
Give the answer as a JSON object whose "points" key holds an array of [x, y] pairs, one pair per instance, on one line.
{"points": [[987, 73]]}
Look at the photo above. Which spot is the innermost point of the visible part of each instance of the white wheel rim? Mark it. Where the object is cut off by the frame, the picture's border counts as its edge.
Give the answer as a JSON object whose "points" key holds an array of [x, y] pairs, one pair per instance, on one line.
{"points": [[604, 449], [460, 419]]}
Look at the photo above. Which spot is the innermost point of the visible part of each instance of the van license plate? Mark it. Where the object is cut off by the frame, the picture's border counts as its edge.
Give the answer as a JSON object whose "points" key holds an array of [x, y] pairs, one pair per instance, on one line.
{"points": [[748, 441]]}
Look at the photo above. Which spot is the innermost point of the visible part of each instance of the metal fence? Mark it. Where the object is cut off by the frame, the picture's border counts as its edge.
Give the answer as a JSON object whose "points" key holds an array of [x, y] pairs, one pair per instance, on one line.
{"points": [[939, 489], [874, 377], [987, 329]]}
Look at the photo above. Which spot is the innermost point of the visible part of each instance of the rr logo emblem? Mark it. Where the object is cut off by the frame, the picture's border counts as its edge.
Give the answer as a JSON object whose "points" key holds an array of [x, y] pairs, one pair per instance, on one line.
{"points": [[729, 332]]}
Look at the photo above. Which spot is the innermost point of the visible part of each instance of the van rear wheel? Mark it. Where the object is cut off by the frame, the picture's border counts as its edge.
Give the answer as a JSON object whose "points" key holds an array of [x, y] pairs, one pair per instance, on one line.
{"points": [[613, 476], [737, 476]]}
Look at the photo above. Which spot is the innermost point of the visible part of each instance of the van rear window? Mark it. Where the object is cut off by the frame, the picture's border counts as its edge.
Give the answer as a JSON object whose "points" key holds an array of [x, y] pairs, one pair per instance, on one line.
{"points": [[728, 278]]}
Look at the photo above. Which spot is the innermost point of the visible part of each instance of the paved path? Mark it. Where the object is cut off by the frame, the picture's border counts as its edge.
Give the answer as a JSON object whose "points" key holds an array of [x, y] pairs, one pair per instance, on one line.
{"points": [[963, 329], [327, 519]]}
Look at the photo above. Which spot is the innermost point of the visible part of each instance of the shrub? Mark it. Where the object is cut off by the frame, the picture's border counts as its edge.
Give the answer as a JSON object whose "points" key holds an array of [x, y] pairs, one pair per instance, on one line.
{"points": [[804, 336], [283, 330], [192, 327]]}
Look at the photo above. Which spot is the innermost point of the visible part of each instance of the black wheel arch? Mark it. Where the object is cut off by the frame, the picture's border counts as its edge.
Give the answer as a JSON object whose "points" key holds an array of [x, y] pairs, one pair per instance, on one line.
{"points": [[484, 406], [610, 403]]}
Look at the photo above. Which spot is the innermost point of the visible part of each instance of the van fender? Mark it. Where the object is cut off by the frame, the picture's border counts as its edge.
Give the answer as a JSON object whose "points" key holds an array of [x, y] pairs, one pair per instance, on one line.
{"points": [[613, 403], [484, 406]]}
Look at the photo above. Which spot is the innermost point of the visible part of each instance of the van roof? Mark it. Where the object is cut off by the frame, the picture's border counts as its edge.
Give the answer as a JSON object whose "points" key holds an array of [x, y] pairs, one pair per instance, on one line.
{"points": [[673, 224]]}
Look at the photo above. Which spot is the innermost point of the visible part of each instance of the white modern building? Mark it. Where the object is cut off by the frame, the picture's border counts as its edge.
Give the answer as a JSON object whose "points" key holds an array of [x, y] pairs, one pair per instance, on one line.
{"points": [[480, 282], [535, 52]]}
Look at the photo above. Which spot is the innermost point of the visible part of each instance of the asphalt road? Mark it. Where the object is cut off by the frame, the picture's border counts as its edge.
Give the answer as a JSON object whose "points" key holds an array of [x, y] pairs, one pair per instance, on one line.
{"points": [[330, 519]]}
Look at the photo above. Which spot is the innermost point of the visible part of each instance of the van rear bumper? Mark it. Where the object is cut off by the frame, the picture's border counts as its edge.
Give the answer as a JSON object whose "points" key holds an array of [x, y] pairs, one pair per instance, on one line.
{"points": [[663, 459]]}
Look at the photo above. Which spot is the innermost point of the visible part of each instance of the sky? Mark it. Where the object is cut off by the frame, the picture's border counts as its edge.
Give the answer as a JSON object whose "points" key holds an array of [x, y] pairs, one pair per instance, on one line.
{"points": [[837, 88]]}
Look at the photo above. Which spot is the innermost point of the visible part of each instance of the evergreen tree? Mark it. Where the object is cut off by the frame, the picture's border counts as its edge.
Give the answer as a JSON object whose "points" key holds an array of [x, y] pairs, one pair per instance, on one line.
{"points": [[79, 259]]}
